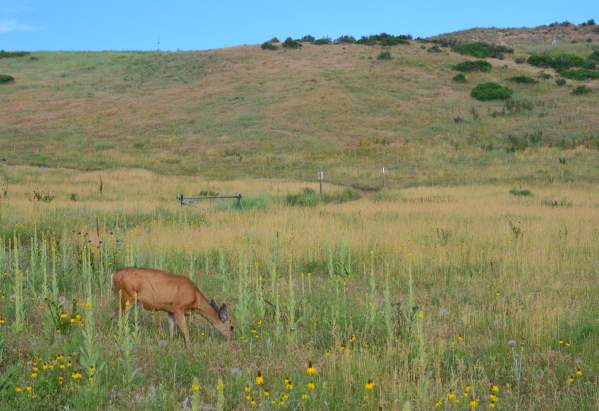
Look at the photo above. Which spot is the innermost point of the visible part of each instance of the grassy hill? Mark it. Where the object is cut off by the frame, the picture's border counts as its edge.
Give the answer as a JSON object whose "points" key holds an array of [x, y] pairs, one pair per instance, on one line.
{"points": [[250, 112]]}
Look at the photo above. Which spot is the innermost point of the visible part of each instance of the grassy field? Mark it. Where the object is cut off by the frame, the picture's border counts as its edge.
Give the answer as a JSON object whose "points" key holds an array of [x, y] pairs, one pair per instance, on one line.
{"points": [[451, 298]]}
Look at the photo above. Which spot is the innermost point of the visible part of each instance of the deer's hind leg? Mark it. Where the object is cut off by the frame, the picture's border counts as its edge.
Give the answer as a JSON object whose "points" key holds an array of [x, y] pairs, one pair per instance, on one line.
{"points": [[171, 324]]}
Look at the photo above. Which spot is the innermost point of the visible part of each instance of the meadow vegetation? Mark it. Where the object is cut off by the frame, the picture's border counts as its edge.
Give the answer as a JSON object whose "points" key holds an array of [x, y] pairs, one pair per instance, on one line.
{"points": [[438, 297]]}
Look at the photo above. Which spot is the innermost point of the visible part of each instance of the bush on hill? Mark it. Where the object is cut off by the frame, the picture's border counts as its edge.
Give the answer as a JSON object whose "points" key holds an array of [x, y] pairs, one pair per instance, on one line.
{"points": [[470, 66], [345, 39], [289, 43], [482, 50], [561, 62], [308, 39], [523, 80], [5, 78], [9, 54], [460, 78], [560, 82], [384, 39], [580, 74], [580, 90], [267, 45], [323, 40], [491, 91]]}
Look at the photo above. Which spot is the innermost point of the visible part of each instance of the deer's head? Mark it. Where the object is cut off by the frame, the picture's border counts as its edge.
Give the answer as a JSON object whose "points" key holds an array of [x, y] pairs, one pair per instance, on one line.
{"points": [[225, 325]]}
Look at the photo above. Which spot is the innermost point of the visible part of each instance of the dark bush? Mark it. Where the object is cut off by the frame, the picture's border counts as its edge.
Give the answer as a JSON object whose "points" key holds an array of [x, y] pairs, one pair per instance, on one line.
{"points": [[482, 50], [274, 40], [520, 60], [289, 43], [460, 78], [491, 91], [345, 39], [384, 39], [434, 49], [308, 39], [580, 74], [594, 56], [9, 54], [561, 62], [5, 78], [323, 40], [589, 22], [473, 65], [580, 90], [523, 80], [267, 45], [520, 192], [384, 55], [560, 81], [544, 76], [310, 198]]}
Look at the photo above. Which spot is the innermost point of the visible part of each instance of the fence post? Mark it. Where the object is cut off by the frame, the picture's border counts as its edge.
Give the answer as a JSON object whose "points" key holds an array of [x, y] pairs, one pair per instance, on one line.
{"points": [[320, 179], [383, 172], [238, 195]]}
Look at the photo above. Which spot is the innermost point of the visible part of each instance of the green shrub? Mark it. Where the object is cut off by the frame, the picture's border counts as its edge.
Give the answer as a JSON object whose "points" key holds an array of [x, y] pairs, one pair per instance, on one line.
{"points": [[310, 198], [560, 81], [580, 74], [520, 60], [308, 39], [9, 54], [481, 50], [384, 39], [289, 43], [274, 40], [249, 203], [544, 76], [473, 65], [523, 80], [323, 40], [345, 39], [520, 192], [594, 56], [580, 90], [267, 45], [491, 91], [434, 49], [560, 62], [5, 78], [384, 55], [460, 78]]}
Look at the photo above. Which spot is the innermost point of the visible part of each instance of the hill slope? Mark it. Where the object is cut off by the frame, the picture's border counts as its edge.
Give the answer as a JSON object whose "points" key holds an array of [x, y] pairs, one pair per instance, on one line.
{"points": [[287, 113]]}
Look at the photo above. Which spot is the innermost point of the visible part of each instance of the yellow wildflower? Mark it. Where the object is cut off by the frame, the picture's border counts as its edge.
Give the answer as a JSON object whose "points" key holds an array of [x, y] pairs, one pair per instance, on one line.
{"points": [[369, 385], [248, 397], [76, 376], [311, 385], [18, 389], [570, 379], [421, 315], [438, 404], [492, 397], [259, 378], [34, 374], [195, 387], [266, 393], [492, 405], [2, 321], [284, 396], [473, 403], [451, 395], [29, 388], [310, 370], [247, 389], [253, 402], [352, 339], [63, 316], [495, 388], [467, 389], [304, 397], [578, 372]]}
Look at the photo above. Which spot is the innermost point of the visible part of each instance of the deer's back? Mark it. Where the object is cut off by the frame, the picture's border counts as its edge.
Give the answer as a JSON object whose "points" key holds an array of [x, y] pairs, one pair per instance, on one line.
{"points": [[156, 289]]}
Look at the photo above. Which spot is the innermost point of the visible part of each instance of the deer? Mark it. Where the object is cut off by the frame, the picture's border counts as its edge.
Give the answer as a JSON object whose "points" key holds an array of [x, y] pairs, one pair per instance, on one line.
{"points": [[157, 290]]}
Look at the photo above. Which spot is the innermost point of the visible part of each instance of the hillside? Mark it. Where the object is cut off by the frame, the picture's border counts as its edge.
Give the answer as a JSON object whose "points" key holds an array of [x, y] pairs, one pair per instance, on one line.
{"points": [[559, 33], [250, 112]]}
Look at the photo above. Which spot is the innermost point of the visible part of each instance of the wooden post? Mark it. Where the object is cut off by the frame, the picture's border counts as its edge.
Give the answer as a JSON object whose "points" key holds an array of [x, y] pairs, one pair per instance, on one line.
{"points": [[238, 195], [321, 179], [383, 173]]}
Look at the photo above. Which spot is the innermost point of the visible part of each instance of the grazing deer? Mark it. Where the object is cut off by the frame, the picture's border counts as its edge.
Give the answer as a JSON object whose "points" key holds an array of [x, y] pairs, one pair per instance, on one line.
{"points": [[158, 290]]}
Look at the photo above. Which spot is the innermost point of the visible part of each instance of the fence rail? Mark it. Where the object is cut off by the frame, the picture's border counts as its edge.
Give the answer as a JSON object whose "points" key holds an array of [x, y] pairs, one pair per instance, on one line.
{"points": [[184, 200]]}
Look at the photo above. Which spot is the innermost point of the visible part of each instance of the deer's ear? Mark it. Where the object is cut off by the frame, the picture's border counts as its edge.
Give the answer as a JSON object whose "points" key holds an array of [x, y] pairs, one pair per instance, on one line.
{"points": [[223, 314], [213, 304]]}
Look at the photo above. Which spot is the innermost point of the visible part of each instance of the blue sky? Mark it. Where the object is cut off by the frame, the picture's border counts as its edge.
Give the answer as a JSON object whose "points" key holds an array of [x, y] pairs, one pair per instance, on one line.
{"points": [[206, 24]]}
